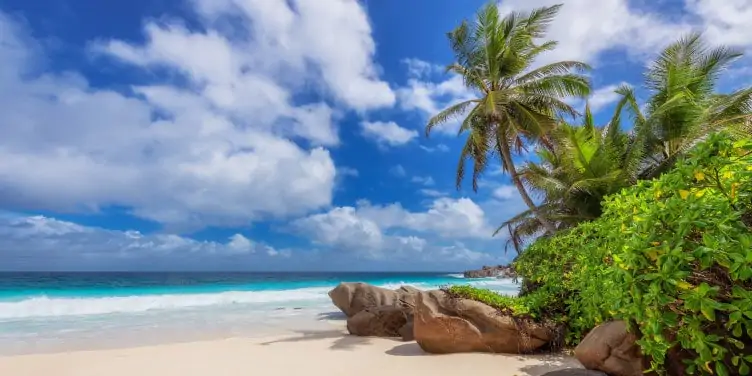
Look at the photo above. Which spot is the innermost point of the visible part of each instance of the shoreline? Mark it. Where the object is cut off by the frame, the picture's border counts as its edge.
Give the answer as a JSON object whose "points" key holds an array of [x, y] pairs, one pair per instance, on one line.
{"points": [[327, 352]]}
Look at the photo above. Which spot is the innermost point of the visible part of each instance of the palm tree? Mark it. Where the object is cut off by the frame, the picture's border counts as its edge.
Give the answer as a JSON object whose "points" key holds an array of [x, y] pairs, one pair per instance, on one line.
{"points": [[585, 164], [516, 105], [684, 107]]}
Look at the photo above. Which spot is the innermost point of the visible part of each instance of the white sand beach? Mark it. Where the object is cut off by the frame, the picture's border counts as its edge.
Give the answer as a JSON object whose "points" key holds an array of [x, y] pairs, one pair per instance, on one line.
{"points": [[320, 352]]}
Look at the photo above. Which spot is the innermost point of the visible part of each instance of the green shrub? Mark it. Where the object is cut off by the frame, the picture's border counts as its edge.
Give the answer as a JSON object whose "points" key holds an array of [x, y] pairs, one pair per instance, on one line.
{"points": [[671, 256], [533, 306], [682, 257]]}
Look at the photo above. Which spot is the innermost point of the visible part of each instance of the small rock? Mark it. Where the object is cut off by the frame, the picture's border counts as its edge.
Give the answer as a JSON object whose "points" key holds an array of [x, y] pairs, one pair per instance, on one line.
{"points": [[611, 349]]}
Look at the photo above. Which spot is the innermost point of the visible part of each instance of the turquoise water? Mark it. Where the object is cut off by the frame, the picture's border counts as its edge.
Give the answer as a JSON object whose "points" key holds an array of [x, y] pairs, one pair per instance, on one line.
{"points": [[52, 311]]}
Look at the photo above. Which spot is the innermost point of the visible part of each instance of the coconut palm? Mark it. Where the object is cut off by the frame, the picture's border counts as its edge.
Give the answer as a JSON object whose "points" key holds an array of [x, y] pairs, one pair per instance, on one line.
{"points": [[515, 105], [585, 164], [683, 107]]}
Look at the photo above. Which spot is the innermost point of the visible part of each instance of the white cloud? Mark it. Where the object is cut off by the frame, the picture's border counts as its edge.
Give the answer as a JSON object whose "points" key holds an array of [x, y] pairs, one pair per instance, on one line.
{"points": [[428, 97], [36, 242], [387, 133], [374, 231], [419, 68], [603, 97], [221, 151], [424, 180], [432, 192], [341, 227], [445, 217], [398, 171], [724, 22], [585, 28], [440, 148], [505, 192], [347, 171]]}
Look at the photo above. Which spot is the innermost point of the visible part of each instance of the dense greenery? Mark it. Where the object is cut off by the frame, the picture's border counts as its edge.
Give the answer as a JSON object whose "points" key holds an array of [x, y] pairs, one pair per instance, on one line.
{"points": [[583, 164], [671, 256], [646, 219], [682, 256], [516, 105]]}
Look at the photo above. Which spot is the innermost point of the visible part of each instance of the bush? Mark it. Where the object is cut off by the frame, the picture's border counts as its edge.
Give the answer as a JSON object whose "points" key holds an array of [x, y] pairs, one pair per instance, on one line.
{"points": [[682, 257], [672, 257]]}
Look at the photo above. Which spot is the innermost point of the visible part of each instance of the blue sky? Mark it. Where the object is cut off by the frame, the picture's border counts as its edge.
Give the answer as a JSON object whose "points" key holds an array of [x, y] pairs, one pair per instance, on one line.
{"points": [[272, 135]]}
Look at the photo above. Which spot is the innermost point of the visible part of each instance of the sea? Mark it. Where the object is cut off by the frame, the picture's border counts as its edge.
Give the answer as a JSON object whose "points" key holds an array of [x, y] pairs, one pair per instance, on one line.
{"points": [[52, 312]]}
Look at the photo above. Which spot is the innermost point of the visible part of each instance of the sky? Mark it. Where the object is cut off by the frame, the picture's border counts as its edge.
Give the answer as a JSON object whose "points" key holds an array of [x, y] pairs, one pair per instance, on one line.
{"points": [[274, 134]]}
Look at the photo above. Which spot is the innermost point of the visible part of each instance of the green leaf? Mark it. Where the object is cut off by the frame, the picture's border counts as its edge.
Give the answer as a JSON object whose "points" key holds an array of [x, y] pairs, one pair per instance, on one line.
{"points": [[720, 369]]}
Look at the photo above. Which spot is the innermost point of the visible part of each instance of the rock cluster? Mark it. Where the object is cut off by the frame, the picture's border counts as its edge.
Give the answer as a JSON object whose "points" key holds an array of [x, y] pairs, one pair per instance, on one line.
{"points": [[439, 323], [499, 271], [442, 324], [376, 311]]}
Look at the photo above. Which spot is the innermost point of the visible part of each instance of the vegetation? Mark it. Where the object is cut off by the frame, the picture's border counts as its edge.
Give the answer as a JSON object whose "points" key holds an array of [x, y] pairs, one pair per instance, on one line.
{"points": [[683, 259], [649, 222], [585, 164], [671, 256], [516, 105]]}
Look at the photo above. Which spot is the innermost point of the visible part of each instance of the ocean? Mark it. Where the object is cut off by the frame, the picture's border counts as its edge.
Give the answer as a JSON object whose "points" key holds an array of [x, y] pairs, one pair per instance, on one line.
{"points": [[46, 312]]}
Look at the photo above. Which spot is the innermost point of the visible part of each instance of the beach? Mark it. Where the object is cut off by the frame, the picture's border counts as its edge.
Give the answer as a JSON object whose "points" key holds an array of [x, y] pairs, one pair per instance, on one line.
{"points": [[317, 352], [218, 324]]}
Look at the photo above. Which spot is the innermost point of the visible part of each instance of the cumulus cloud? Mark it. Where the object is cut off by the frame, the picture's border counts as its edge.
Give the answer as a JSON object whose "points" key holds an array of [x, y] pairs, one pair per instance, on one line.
{"points": [[374, 231], [429, 94], [220, 139], [444, 217], [585, 29], [387, 133], [43, 243]]}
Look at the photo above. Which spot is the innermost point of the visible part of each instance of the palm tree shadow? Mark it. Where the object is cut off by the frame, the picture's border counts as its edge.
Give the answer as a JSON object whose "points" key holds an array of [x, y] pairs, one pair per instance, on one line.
{"points": [[342, 341]]}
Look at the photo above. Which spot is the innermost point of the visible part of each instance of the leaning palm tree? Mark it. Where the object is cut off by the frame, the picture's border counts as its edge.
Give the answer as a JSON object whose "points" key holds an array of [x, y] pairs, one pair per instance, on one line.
{"points": [[684, 107], [515, 105], [585, 164]]}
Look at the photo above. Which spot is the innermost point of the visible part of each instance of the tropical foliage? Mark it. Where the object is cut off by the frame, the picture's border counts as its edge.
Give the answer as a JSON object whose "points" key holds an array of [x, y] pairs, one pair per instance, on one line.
{"points": [[584, 165], [646, 219], [671, 256], [516, 105]]}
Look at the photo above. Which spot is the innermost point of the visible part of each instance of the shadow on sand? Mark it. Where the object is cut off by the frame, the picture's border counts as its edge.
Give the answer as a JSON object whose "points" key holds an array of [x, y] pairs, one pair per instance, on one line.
{"points": [[342, 341], [408, 349], [338, 316], [546, 363]]}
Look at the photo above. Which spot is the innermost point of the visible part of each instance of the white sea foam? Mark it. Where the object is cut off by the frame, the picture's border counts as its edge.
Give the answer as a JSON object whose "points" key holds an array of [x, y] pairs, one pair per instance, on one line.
{"points": [[460, 275], [53, 306], [44, 306]]}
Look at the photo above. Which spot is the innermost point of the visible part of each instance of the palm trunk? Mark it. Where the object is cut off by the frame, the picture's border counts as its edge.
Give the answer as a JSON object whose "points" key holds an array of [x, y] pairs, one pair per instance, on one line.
{"points": [[506, 158]]}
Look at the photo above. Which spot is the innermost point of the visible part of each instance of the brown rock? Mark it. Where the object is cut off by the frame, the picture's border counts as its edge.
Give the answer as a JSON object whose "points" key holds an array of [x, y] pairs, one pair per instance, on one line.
{"points": [[611, 349], [499, 271], [407, 332], [352, 298], [446, 325], [384, 321]]}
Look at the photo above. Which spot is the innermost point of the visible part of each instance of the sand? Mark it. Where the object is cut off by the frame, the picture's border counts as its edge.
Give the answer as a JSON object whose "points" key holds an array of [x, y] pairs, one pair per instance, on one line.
{"points": [[310, 353]]}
